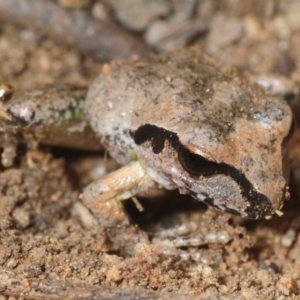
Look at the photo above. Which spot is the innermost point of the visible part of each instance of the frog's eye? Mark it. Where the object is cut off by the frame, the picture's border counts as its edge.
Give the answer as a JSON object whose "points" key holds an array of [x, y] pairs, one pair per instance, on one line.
{"points": [[196, 162]]}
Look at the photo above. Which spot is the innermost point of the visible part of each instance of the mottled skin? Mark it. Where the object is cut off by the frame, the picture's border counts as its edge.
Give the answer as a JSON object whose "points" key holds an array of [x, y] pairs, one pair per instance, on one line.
{"points": [[160, 109], [173, 120], [51, 116]]}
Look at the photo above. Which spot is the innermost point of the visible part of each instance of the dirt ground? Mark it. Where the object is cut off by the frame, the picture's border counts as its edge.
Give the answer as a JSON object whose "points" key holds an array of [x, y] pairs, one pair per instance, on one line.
{"points": [[50, 248]]}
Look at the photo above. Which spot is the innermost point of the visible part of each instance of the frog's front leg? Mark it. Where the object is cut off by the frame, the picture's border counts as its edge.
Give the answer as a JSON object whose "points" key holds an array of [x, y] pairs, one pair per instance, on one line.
{"points": [[103, 197]]}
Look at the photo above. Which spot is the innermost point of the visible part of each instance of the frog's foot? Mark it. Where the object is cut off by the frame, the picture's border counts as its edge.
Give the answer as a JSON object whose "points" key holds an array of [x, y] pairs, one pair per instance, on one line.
{"points": [[103, 197], [220, 237], [173, 241]]}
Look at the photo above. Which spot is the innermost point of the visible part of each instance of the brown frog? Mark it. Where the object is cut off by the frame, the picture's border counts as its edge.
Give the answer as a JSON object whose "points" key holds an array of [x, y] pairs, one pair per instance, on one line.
{"points": [[176, 120]]}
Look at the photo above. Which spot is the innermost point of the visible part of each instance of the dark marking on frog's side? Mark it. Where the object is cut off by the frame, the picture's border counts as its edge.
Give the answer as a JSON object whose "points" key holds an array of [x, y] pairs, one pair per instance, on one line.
{"points": [[259, 204], [156, 136]]}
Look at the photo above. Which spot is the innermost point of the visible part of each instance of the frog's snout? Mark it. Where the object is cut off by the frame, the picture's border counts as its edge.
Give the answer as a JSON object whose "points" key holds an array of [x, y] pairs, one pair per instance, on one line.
{"points": [[235, 194], [279, 196], [270, 201]]}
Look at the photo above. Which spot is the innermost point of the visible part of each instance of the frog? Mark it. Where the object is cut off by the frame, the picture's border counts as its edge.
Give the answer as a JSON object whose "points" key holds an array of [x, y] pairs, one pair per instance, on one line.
{"points": [[178, 120]]}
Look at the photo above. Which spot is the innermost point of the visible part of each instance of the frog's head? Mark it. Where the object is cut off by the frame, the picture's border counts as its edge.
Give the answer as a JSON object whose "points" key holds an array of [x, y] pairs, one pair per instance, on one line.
{"points": [[240, 167]]}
